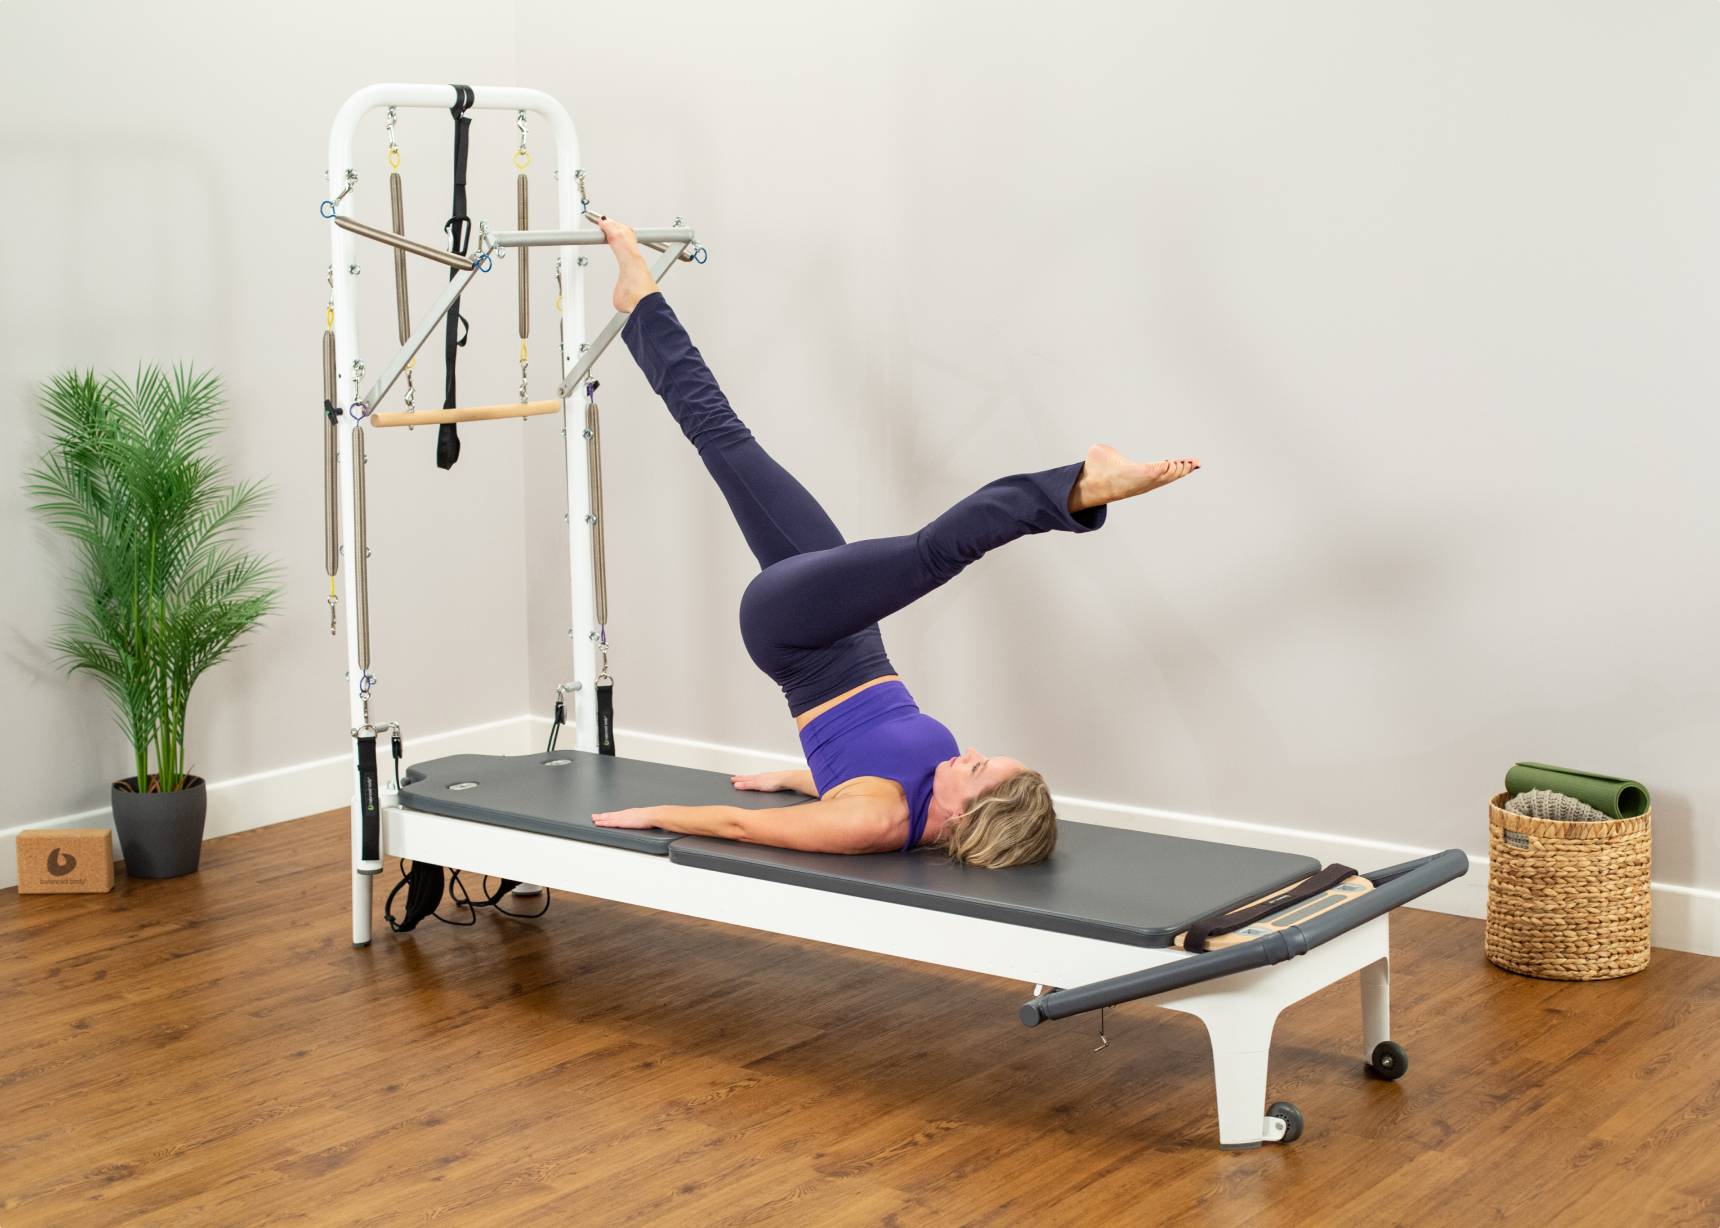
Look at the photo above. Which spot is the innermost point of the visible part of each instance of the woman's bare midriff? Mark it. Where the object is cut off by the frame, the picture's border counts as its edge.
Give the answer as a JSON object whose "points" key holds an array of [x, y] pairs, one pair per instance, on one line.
{"points": [[811, 714]]}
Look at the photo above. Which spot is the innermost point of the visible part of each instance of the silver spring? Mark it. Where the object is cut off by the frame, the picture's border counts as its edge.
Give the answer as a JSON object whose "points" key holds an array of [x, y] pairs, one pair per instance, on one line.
{"points": [[361, 548], [397, 215], [524, 214], [331, 393], [594, 480]]}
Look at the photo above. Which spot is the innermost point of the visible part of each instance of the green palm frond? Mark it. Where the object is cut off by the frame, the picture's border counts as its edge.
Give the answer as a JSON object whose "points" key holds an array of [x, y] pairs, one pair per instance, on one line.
{"points": [[162, 591]]}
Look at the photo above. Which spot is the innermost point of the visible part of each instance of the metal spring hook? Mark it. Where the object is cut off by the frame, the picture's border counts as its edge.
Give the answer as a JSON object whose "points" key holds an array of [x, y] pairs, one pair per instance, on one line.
{"points": [[329, 207]]}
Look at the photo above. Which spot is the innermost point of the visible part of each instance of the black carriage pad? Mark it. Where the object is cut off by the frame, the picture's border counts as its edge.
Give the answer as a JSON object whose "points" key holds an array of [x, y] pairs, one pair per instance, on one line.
{"points": [[555, 793], [1103, 882]]}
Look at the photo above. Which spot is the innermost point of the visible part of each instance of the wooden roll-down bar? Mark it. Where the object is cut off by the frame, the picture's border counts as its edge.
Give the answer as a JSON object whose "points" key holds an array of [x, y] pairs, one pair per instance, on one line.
{"points": [[474, 413]]}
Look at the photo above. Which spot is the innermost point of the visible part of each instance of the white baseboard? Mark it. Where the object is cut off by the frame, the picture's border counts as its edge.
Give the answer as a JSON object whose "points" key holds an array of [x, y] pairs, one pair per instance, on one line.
{"points": [[1685, 918], [244, 802]]}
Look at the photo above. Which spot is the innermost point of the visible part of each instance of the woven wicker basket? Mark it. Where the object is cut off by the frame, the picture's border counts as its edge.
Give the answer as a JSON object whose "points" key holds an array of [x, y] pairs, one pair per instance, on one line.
{"points": [[1567, 901]]}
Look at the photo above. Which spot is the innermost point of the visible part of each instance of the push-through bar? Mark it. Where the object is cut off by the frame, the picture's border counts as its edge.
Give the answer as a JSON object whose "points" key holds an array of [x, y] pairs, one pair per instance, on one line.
{"points": [[612, 330], [1393, 886], [587, 238], [386, 377]]}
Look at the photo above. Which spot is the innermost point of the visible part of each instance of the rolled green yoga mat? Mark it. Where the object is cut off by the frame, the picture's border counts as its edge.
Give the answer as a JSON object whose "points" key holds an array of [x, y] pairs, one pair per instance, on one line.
{"points": [[1616, 798]]}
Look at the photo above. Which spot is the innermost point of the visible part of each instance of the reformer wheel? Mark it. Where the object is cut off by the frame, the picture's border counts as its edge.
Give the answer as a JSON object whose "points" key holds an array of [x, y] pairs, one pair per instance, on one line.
{"points": [[1389, 1061], [1291, 1116]]}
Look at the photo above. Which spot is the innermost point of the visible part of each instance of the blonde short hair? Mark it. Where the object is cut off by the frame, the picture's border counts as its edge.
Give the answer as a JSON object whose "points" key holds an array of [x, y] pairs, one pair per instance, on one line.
{"points": [[1011, 824]]}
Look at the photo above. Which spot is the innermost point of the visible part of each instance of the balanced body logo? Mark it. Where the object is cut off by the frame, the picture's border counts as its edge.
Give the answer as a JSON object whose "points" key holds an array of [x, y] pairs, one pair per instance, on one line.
{"points": [[61, 864]]}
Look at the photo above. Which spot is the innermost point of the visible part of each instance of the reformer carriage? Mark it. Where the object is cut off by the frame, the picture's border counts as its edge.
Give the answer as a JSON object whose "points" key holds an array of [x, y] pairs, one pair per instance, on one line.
{"points": [[1229, 934]]}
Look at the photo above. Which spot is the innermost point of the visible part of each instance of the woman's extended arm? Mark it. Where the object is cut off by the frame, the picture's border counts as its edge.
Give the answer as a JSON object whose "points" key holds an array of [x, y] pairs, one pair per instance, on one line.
{"points": [[853, 824], [799, 780]]}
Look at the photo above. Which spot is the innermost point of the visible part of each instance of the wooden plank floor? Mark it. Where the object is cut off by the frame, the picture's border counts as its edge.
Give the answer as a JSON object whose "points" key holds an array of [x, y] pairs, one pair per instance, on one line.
{"points": [[211, 1050]]}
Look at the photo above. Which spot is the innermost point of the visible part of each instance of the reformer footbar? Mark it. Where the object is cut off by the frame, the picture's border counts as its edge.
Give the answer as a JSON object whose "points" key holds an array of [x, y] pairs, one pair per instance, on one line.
{"points": [[1296, 934]]}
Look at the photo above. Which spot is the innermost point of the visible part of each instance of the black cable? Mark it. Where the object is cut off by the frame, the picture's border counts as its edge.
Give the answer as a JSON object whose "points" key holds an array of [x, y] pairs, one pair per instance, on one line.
{"points": [[495, 901], [425, 889]]}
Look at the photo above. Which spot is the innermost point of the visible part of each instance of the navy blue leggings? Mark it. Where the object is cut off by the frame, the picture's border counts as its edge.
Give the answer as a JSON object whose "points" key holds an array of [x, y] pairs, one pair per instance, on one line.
{"points": [[810, 618]]}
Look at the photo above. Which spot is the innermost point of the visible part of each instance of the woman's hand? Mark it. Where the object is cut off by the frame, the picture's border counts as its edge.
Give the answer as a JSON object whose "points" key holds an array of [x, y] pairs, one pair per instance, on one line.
{"points": [[639, 816], [765, 782]]}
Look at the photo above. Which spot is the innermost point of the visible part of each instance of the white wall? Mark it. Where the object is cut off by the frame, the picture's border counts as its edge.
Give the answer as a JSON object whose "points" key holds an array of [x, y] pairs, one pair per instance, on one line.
{"points": [[1428, 287], [1425, 285], [163, 166]]}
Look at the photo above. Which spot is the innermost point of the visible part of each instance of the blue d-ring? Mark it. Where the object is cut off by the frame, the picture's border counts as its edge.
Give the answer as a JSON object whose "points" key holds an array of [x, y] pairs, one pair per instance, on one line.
{"points": [[483, 262], [327, 209], [700, 255]]}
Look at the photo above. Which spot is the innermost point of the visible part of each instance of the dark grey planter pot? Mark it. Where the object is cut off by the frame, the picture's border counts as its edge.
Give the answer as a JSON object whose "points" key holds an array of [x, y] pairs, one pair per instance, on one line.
{"points": [[160, 834]]}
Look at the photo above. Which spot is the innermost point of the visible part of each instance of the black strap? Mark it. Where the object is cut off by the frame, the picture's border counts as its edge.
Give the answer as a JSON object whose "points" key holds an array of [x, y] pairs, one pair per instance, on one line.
{"points": [[369, 802], [1229, 921], [423, 883], [459, 230], [606, 718], [426, 884]]}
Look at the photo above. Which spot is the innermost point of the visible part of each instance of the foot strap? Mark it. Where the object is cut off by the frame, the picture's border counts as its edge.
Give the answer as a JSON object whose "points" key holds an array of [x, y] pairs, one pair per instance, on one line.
{"points": [[1228, 921]]}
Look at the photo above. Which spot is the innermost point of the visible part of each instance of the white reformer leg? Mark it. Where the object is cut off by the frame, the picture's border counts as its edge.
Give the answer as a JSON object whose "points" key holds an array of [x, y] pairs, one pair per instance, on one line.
{"points": [[361, 906], [1241, 1046], [362, 882], [1376, 1006]]}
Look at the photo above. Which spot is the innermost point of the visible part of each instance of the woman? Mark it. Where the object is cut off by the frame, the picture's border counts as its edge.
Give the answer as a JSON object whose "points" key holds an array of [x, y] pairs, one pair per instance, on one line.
{"points": [[886, 776]]}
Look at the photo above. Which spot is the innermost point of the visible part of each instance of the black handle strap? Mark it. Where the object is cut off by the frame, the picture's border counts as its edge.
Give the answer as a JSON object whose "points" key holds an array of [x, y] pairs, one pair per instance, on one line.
{"points": [[369, 801], [606, 718], [459, 230]]}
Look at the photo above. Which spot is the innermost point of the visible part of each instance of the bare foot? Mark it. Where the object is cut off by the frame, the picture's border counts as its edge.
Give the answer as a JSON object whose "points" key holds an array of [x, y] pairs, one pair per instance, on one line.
{"points": [[634, 280], [1108, 476]]}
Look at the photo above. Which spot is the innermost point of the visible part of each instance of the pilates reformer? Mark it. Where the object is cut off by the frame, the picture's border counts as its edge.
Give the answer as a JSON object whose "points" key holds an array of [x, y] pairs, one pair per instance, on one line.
{"points": [[1228, 934]]}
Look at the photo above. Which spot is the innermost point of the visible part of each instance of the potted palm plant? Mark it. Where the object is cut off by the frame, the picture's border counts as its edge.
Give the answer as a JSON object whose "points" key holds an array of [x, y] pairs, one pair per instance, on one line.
{"points": [[161, 588]]}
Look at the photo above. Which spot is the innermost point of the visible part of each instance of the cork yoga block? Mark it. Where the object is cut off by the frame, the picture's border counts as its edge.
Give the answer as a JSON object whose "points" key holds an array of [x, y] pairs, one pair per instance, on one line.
{"points": [[65, 861]]}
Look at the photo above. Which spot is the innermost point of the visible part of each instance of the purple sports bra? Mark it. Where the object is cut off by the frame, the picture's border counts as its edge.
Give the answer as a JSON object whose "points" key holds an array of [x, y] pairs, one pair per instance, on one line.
{"points": [[879, 732]]}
